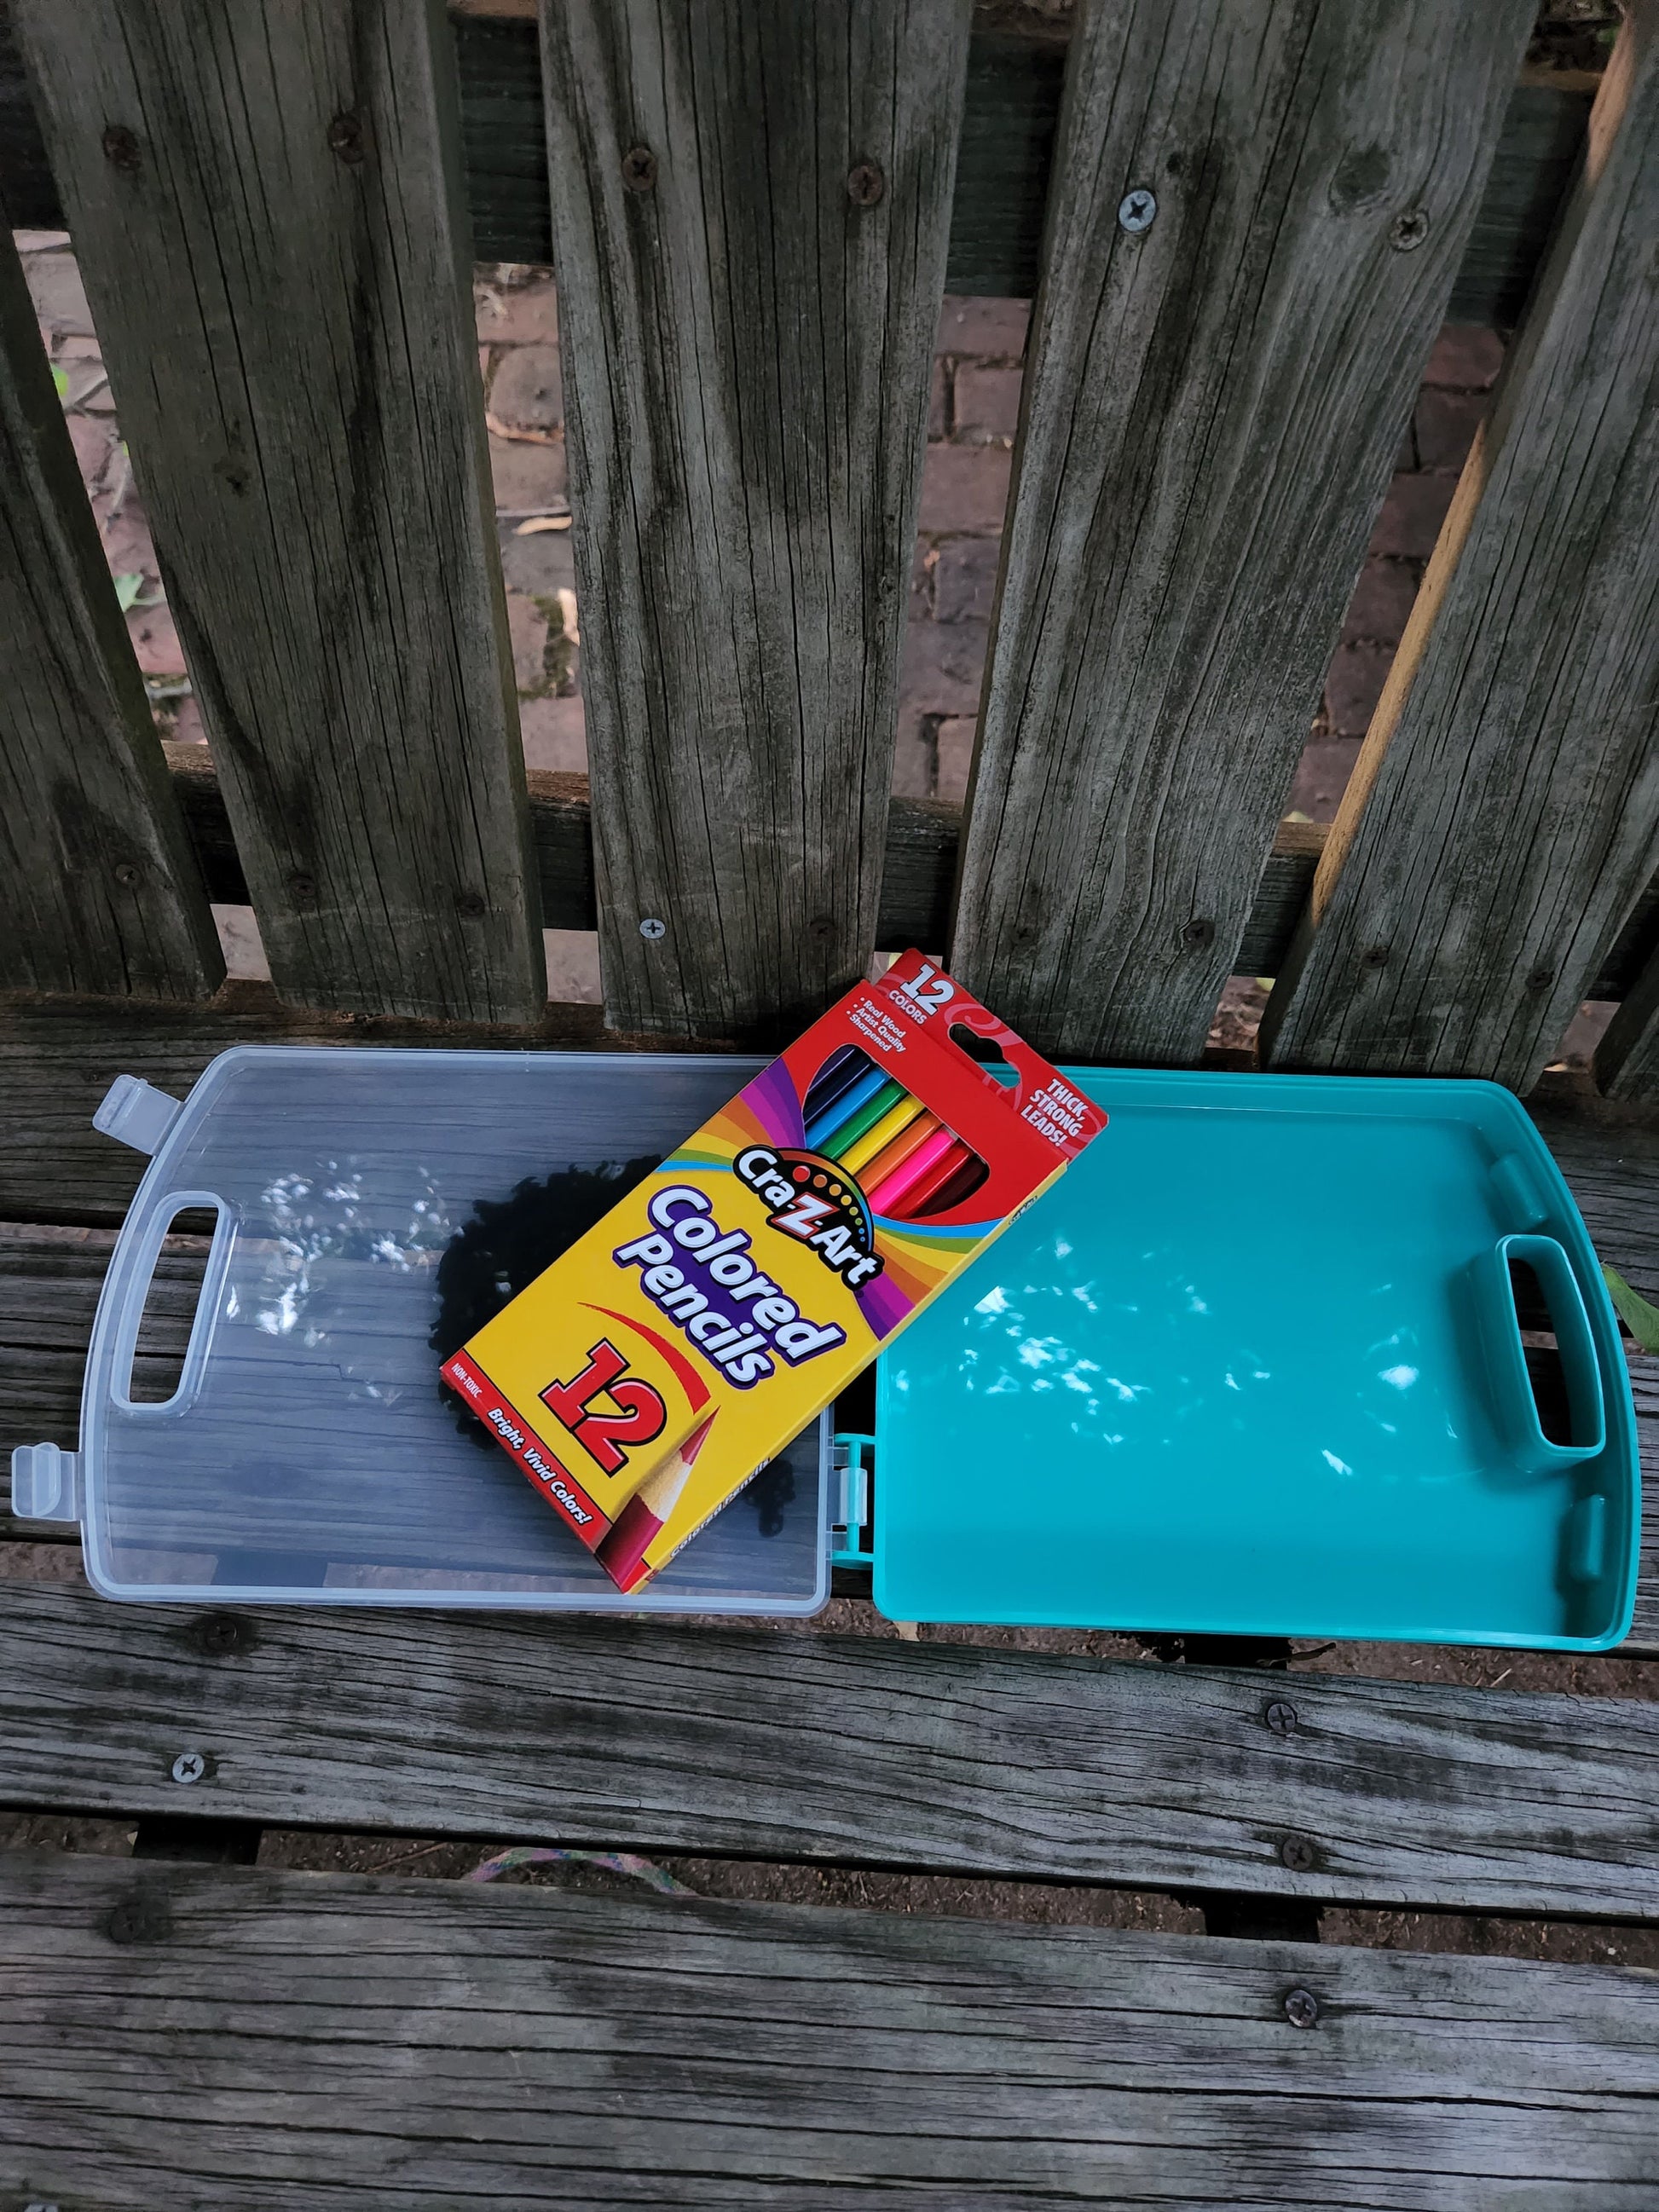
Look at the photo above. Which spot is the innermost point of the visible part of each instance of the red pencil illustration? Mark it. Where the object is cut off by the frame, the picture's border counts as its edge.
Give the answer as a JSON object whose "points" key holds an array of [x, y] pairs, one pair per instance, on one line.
{"points": [[957, 1178], [622, 1554]]}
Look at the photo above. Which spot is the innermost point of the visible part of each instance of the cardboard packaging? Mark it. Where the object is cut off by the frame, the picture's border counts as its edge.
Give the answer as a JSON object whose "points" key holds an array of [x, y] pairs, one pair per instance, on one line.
{"points": [[683, 1342]]}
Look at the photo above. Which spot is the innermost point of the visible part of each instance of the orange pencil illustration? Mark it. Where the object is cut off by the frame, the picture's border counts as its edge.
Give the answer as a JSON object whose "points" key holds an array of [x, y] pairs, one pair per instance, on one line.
{"points": [[622, 1554]]}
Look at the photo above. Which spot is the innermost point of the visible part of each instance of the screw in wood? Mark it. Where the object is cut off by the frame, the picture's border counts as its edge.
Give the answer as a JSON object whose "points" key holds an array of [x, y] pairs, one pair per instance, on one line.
{"points": [[1281, 1717], [126, 874], [639, 168], [653, 929], [1198, 933], [1407, 231], [345, 137], [1297, 1853], [821, 928], [222, 1632], [121, 147], [1540, 980], [1137, 210], [189, 1766], [1375, 956], [471, 906], [141, 1918], [865, 184], [1301, 2008], [302, 885]]}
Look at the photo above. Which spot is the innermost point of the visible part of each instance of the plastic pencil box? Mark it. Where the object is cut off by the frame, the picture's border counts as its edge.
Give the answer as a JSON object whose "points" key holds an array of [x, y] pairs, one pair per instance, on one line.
{"points": [[360, 1210]]}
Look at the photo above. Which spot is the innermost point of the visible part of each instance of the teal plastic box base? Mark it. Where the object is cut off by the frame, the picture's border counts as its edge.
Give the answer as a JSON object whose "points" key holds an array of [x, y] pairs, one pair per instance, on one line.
{"points": [[1254, 1367]]}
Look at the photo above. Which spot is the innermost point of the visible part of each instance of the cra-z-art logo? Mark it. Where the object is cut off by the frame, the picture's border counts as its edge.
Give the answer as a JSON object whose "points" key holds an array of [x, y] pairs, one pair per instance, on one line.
{"points": [[814, 1199]]}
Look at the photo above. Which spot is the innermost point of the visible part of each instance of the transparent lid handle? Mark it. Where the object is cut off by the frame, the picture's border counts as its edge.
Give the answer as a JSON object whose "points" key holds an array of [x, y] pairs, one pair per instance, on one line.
{"points": [[45, 1483], [135, 1112]]}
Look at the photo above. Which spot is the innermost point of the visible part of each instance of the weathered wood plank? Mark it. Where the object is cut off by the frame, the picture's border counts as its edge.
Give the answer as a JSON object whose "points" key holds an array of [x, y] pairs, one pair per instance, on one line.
{"points": [[98, 889], [1627, 1059], [1500, 824], [181, 2034], [1010, 115], [951, 1758], [1211, 410], [267, 214], [750, 218]]}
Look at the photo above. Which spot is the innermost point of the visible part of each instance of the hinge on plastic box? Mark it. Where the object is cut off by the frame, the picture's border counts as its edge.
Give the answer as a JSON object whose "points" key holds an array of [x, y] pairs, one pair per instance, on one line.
{"points": [[45, 1483], [850, 1534], [135, 1112]]}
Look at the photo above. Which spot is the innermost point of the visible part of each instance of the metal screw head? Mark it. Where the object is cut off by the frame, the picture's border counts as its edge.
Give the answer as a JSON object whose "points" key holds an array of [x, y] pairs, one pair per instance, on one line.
{"points": [[1136, 210], [121, 147], [471, 906], [345, 137], [1375, 956], [1281, 1717], [1198, 933], [821, 929], [865, 184], [639, 168], [141, 1917], [302, 885], [220, 1633], [1540, 980], [653, 929], [1301, 2008], [1407, 231], [189, 1766], [126, 874], [1297, 1853]]}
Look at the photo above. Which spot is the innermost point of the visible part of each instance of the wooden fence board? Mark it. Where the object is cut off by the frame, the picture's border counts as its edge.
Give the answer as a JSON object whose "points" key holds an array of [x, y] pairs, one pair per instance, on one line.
{"points": [[1009, 118], [1627, 1059], [1211, 410], [98, 889], [267, 212], [177, 2034], [748, 326], [948, 1758], [1500, 824]]}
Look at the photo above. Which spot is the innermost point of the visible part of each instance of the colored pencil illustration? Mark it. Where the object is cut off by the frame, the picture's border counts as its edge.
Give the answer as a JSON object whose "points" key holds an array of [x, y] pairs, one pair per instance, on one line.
{"points": [[863, 1118], [894, 1155], [876, 1138], [835, 1115], [835, 1079], [640, 1521], [958, 1176], [888, 1196]]}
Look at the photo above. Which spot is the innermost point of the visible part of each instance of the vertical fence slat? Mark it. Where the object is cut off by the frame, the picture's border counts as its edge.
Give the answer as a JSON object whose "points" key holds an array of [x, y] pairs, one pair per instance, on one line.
{"points": [[1211, 410], [750, 207], [1627, 1059], [264, 198], [98, 889], [1500, 824]]}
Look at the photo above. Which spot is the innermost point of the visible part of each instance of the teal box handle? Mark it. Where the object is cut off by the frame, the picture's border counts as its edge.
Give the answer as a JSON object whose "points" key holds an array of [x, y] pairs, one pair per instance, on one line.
{"points": [[1506, 1356]]}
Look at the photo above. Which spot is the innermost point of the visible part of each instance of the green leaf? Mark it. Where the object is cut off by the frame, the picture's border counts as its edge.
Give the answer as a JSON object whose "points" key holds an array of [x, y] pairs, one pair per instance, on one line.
{"points": [[127, 589], [1641, 1319], [60, 380]]}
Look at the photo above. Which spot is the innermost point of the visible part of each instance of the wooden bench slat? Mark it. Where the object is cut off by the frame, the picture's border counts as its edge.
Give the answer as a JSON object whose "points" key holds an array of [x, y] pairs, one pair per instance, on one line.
{"points": [[1500, 823], [270, 231], [944, 1757], [99, 891], [1211, 413], [270, 2033], [747, 333]]}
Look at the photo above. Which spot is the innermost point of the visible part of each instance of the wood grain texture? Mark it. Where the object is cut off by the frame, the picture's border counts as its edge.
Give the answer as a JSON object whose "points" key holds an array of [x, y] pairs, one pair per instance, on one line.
{"points": [[813, 1747], [1627, 1057], [1211, 413], [183, 2035], [266, 210], [1500, 824], [1010, 115], [98, 889], [748, 331]]}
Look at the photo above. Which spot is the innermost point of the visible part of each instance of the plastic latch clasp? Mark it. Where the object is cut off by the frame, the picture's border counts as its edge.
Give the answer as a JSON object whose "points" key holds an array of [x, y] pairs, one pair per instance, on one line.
{"points": [[45, 1483], [852, 1458], [135, 1112]]}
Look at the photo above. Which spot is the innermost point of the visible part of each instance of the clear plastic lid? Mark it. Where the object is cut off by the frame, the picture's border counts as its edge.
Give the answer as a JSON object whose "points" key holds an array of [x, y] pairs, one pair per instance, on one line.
{"points": [[367, 1202]]}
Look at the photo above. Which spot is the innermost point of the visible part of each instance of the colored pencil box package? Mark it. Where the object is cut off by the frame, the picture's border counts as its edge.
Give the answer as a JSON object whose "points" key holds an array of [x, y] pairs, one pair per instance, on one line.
{"points": [[685, 1341]]}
